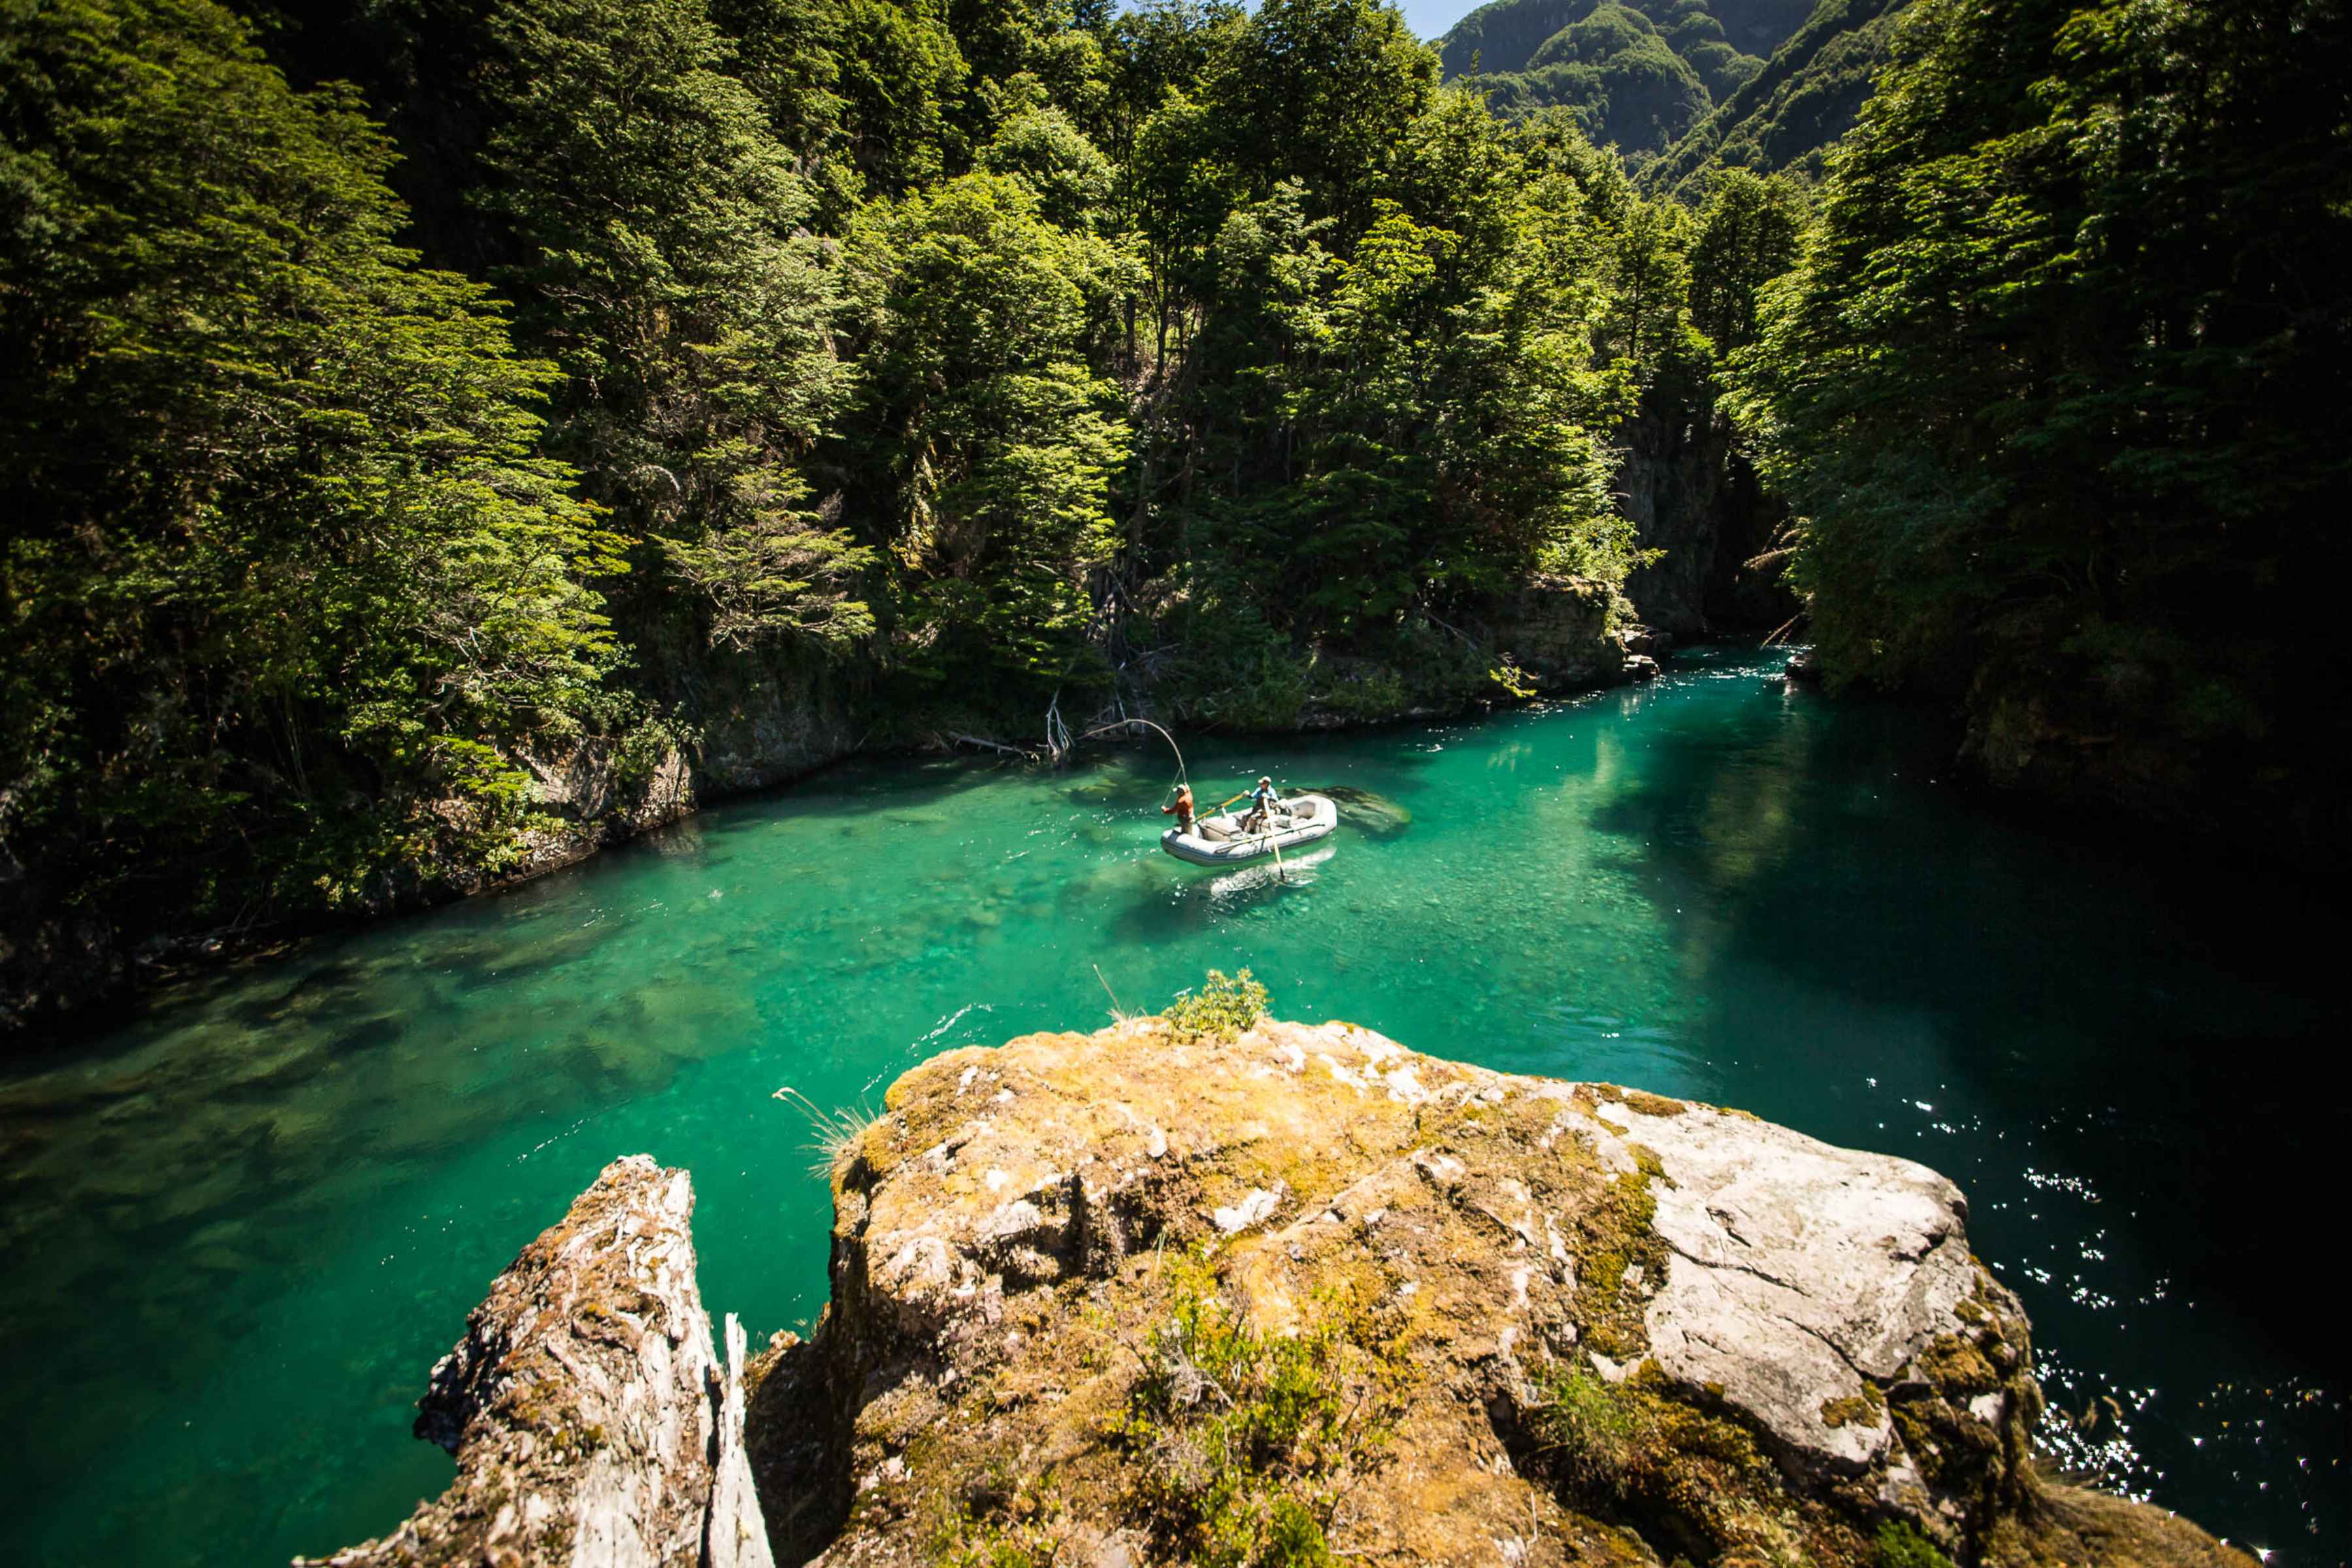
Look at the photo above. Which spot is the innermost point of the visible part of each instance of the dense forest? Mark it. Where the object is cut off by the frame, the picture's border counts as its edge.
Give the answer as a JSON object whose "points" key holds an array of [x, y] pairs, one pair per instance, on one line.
{"points": [[419, 408]]}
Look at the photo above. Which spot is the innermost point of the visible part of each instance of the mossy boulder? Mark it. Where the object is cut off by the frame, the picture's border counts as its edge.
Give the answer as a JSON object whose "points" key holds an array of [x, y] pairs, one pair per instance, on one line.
{"points": [[1126, 1298]]}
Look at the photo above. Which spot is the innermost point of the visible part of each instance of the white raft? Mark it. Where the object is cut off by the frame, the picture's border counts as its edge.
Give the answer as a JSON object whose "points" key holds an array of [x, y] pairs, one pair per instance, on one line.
{"points": [[1219, 841]]}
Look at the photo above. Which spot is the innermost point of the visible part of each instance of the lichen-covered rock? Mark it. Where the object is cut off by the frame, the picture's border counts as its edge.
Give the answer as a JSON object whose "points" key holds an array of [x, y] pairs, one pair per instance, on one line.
{"points": [[591, 1420], [1133, 1298], [1557, 629]]}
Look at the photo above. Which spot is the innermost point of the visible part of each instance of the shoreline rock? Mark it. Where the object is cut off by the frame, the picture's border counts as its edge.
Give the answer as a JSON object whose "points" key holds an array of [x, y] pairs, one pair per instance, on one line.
{"points": [[590, 1416], [1150, 1296], [1559, 1322]]}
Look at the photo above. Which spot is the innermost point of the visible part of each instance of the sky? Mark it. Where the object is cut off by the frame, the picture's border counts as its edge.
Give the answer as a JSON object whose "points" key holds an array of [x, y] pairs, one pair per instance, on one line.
{"points": [[1430, 18]]}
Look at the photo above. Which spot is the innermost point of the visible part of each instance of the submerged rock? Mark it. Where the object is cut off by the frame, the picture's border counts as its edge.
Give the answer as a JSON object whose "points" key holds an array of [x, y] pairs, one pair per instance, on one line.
{"points": [[1366, 811], [591, 1420]]}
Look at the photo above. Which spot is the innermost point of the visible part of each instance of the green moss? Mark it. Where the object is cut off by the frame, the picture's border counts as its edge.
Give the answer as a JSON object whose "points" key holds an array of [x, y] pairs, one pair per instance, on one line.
{"points": [[1616, 1234], [1957, 1368], [1019, 1525], [1634, 1451], [1897, 1545], [1241, 1442], [1855, 1409]]}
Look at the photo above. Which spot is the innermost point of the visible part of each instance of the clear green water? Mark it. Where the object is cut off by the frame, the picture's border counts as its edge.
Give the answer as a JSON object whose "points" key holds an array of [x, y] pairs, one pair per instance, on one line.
{"points": [[239, 1232]]}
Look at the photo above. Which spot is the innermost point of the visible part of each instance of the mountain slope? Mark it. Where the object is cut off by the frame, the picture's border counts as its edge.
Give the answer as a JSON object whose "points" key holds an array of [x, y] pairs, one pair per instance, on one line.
{"points": [[1640, 74], [1787, 115]]}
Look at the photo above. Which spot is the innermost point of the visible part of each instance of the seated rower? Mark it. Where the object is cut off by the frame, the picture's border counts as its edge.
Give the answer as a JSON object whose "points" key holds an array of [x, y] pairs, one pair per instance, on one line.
{"points": [[1263, 800]]}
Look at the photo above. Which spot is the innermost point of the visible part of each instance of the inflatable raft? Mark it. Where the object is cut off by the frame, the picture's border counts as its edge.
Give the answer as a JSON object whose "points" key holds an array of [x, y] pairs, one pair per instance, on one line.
{"points": [[1220, 841]]}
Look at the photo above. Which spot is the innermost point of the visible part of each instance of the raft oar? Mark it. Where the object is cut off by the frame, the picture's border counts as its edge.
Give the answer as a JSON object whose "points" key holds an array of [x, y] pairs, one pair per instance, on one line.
{"points": [[1266, 838]]}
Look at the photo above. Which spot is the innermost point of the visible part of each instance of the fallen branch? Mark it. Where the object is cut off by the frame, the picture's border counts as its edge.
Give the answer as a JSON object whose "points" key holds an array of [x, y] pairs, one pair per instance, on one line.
{"points": [[962, 740]]}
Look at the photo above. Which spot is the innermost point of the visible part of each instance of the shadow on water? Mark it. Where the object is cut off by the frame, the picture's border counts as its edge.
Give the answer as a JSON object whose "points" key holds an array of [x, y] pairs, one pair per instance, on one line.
{"points": [[2109, 1054]]}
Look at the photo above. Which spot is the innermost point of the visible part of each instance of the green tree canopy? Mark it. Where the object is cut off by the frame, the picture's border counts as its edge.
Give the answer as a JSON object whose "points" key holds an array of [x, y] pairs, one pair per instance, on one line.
{"points": [[2058, 383], [281, 572]]}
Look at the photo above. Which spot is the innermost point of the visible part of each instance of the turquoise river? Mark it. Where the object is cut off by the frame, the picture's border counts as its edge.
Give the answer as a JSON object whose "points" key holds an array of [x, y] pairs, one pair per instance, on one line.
{"points": [[238, 1230]]}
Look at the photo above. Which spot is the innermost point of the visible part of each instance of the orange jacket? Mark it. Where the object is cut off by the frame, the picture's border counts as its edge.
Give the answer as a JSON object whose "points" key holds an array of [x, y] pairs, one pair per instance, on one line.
{"points": [[1183, 806]]}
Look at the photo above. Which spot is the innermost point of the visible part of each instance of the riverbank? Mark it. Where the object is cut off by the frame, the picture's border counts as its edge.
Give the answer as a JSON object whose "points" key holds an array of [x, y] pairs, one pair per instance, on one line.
{"points": [[1213, 1287], [755, 728]]}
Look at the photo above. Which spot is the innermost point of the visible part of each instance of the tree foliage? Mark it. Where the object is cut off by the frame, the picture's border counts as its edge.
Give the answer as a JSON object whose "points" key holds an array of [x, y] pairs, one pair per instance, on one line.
{"points": [[653, 216], [284, 570], [2057, 385], [998, 349]]}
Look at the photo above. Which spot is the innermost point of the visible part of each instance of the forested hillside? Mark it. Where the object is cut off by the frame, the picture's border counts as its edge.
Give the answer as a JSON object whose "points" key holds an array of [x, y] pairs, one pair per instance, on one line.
{"points": [[603, 396], [1787, 116], [2057, 396], [1634, 76]]}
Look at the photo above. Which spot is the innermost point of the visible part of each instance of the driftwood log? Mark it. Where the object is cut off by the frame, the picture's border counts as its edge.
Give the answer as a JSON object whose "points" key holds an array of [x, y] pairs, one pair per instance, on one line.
{"points": [[591, 1420]]}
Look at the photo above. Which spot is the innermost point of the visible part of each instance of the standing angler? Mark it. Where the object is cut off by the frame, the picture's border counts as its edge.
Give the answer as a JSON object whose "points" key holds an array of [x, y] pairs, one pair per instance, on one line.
{"points": [[1182, 808]]}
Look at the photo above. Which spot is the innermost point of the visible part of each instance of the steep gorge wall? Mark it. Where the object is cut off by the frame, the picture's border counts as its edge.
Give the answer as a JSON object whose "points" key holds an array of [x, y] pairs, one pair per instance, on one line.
{"points": [[1693, 496]]}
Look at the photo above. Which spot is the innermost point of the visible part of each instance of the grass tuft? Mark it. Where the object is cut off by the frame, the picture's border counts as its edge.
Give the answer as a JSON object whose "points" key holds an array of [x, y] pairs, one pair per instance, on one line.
{"points": [[1900, 1546], [1248, 1441], [834, 1133]]}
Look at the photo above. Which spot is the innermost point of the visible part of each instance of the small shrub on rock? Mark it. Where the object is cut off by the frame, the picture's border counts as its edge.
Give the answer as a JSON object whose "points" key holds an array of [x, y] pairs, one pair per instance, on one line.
{"points": [[1587, 1426], [1222, 1009]]}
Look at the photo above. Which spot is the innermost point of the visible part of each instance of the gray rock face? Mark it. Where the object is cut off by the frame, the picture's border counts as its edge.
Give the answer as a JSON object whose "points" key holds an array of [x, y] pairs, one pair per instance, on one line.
{"points": [[592, 1419], [756, 718], [1805, 1277], [1782, 1343], [1557, 628], [1690, 495]]}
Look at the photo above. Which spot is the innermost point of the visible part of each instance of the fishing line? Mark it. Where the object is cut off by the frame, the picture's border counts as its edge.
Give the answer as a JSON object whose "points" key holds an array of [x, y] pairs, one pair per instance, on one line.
{"points": [[1181, 777]]}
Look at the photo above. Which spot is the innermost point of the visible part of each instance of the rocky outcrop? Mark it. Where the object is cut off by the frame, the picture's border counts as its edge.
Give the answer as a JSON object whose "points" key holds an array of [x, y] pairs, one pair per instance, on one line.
{"points": [[1150, 1297], [1155, 1295], [1558, 631], [748, 720], [591, 1420], [1690, 495]]}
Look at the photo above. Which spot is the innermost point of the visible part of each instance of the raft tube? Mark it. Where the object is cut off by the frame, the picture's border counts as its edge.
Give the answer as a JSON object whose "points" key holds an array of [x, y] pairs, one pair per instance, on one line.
{"points": [[1219, 841]]}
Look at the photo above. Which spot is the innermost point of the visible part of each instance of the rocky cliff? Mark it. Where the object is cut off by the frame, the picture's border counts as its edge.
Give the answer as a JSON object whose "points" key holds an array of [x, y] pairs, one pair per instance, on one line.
{"points": [[592, 1419], [1690, 495], [1282, 1295]]}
